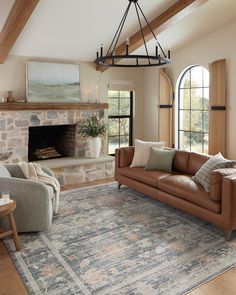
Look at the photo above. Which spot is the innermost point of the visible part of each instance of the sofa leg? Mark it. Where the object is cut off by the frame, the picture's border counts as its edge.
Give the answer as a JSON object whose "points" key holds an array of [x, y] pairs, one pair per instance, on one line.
{"points": [[119, 185], [228, 234]]}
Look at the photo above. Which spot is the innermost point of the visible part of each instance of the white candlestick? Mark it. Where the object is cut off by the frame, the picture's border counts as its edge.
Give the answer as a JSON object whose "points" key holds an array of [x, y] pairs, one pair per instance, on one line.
{"points": [[89, 94], [97, 98]]}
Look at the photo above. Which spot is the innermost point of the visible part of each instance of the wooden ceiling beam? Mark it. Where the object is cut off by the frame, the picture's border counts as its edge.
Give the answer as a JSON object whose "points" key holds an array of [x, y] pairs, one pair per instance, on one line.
{"points": [[16, 20], [162, 22]]}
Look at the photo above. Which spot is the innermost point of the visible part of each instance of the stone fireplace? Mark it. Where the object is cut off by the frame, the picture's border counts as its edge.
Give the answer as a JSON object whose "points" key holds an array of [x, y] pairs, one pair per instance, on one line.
{"points": [[19, 125], [15, 127], [48, 142]]}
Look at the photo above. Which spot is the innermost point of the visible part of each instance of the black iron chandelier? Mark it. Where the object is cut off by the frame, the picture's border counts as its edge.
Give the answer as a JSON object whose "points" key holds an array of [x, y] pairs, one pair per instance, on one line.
{"points": [[114, 59]]}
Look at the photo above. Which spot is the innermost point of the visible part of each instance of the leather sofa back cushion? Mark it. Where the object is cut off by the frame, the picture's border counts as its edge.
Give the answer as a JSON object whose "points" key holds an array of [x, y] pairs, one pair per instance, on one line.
{"points": [[126, 156], [195, 162], [180, 161]]}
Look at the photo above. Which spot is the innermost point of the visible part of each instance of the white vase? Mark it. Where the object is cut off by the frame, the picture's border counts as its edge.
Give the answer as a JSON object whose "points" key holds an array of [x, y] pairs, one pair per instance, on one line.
{"points": [[94, 145]]}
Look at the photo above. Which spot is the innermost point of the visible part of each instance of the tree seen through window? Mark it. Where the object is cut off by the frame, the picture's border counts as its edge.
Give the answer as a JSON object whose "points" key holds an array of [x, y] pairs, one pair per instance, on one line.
{"points": [[119, 119], [193, 115]]}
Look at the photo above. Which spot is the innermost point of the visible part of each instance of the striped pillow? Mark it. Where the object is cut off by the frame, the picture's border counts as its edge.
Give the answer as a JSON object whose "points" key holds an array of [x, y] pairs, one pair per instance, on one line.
{"points": [[216, 162]]}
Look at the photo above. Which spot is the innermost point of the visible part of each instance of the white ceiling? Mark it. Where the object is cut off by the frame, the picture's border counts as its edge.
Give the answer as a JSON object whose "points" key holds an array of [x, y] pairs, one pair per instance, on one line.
{"points": [[75, 29], [5, 7]]}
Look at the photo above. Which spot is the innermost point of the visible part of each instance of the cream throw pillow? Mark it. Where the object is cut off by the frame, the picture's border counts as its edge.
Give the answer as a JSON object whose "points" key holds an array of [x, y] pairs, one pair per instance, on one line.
{"points": [[142, 151]]}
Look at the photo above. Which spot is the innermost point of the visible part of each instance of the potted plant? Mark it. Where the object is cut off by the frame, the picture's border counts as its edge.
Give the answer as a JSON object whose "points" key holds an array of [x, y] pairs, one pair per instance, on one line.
{"points": [[91, 128]]}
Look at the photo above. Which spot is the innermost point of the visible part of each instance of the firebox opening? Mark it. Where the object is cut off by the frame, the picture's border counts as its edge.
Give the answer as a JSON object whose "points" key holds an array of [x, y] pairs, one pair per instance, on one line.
{"points": [[47, 142]]}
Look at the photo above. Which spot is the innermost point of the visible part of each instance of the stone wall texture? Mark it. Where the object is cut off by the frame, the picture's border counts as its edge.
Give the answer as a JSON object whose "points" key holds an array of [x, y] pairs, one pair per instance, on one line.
{"points": [[84, 172], [14, 131]]}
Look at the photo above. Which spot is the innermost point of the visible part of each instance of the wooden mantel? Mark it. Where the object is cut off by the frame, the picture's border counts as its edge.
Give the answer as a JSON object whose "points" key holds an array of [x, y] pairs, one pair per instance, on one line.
{"points": [[51, 106]]}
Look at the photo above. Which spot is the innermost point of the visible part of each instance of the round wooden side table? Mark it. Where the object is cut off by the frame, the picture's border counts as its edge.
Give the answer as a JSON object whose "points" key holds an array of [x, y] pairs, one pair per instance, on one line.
{"points": [[6, 210]]}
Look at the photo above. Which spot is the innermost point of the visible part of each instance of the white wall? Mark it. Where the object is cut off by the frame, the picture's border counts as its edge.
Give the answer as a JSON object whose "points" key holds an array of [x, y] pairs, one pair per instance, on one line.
{"points": [[220, 43], [150, 99], [13, 77]]}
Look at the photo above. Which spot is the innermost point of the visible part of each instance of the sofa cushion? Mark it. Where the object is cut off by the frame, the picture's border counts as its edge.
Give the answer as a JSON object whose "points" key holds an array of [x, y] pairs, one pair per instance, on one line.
{"points": [[195, 162], [184, 187], [142, 150], [204, 173], [148, 177], [160, 160], [180, 161], [4, 172]]}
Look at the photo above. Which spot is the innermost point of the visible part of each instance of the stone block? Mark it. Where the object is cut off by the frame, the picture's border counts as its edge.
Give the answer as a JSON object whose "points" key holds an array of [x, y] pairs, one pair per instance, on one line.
{"points": [[47, 122], [2, 143], [87, 113], [76, 178], [13, 142], [21, 123], [9, 121], [52, 114], [5, 156], [22, 151], [13, 133], [3, 125], [34, 120]]}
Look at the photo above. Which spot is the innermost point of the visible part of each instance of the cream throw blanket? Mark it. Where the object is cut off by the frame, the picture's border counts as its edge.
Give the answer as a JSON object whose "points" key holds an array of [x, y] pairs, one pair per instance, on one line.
{"points": [[34, 171]]}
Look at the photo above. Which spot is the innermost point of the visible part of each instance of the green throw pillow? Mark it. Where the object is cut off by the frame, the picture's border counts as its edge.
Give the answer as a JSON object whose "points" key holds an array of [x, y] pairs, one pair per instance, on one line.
{"points": [[160, 159]]}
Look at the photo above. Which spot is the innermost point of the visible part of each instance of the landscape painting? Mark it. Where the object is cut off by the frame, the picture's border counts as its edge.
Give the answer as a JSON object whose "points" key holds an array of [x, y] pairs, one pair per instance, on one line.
{"points": [[52, 82]]}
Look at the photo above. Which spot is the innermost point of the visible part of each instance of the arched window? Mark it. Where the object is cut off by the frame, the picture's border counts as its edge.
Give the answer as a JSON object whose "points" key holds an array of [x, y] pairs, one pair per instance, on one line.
{"points": [[193, 115]]}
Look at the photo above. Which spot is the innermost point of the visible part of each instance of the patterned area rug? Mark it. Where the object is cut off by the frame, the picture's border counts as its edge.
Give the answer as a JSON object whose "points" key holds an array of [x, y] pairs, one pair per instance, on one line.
{"points": [[105, 241]]}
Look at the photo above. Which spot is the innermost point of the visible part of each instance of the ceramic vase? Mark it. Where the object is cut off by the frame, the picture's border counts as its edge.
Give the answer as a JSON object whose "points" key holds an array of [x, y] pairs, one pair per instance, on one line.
{"points": [[94, 145]]}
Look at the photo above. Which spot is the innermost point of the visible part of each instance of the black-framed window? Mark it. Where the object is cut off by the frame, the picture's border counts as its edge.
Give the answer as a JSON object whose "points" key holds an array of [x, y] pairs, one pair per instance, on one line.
{"points": [[120, 118], [193, 114]]}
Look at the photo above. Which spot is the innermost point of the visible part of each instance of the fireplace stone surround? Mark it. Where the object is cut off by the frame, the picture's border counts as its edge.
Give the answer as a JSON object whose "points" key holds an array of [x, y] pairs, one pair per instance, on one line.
{"points": [[14, 132]]}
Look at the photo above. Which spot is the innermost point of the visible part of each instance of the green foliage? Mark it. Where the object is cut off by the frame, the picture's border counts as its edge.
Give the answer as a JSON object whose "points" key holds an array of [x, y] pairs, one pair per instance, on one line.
{"points": [[91, 127], [194, 116]]}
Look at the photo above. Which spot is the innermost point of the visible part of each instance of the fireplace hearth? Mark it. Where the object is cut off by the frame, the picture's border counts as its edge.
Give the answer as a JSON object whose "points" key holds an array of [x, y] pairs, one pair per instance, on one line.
{"points": [[48, 142]]}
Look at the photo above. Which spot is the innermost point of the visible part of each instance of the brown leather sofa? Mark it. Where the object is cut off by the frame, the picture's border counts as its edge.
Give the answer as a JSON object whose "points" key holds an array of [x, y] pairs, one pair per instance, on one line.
{"points": [[179, 190]]}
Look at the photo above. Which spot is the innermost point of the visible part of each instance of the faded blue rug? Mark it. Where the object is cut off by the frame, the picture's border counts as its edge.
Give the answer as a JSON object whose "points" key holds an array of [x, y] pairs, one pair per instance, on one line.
{"points": [[109, 241]]}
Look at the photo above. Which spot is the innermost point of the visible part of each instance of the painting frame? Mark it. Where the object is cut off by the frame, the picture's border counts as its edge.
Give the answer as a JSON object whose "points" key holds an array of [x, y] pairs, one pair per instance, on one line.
{"points": [[52, 82]]}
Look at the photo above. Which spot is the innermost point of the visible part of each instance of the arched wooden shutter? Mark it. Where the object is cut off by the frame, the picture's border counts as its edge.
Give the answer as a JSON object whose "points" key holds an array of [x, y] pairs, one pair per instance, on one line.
{"points": [[217, 112], [165, 110]]}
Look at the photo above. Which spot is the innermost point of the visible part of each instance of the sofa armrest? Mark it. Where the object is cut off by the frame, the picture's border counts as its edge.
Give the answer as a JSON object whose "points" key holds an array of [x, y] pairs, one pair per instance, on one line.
{"points": [[33, 203], [124, 156], [216, 182], [229, 201]]}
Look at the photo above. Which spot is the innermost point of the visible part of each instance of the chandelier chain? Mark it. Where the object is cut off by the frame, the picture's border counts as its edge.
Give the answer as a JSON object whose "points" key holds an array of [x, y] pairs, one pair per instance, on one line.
{"points": [[118, 32], [144, 42]]}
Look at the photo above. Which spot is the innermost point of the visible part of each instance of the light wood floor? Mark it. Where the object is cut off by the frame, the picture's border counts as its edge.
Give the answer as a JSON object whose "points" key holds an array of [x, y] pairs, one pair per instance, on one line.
{"points": [[11, 284]]}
